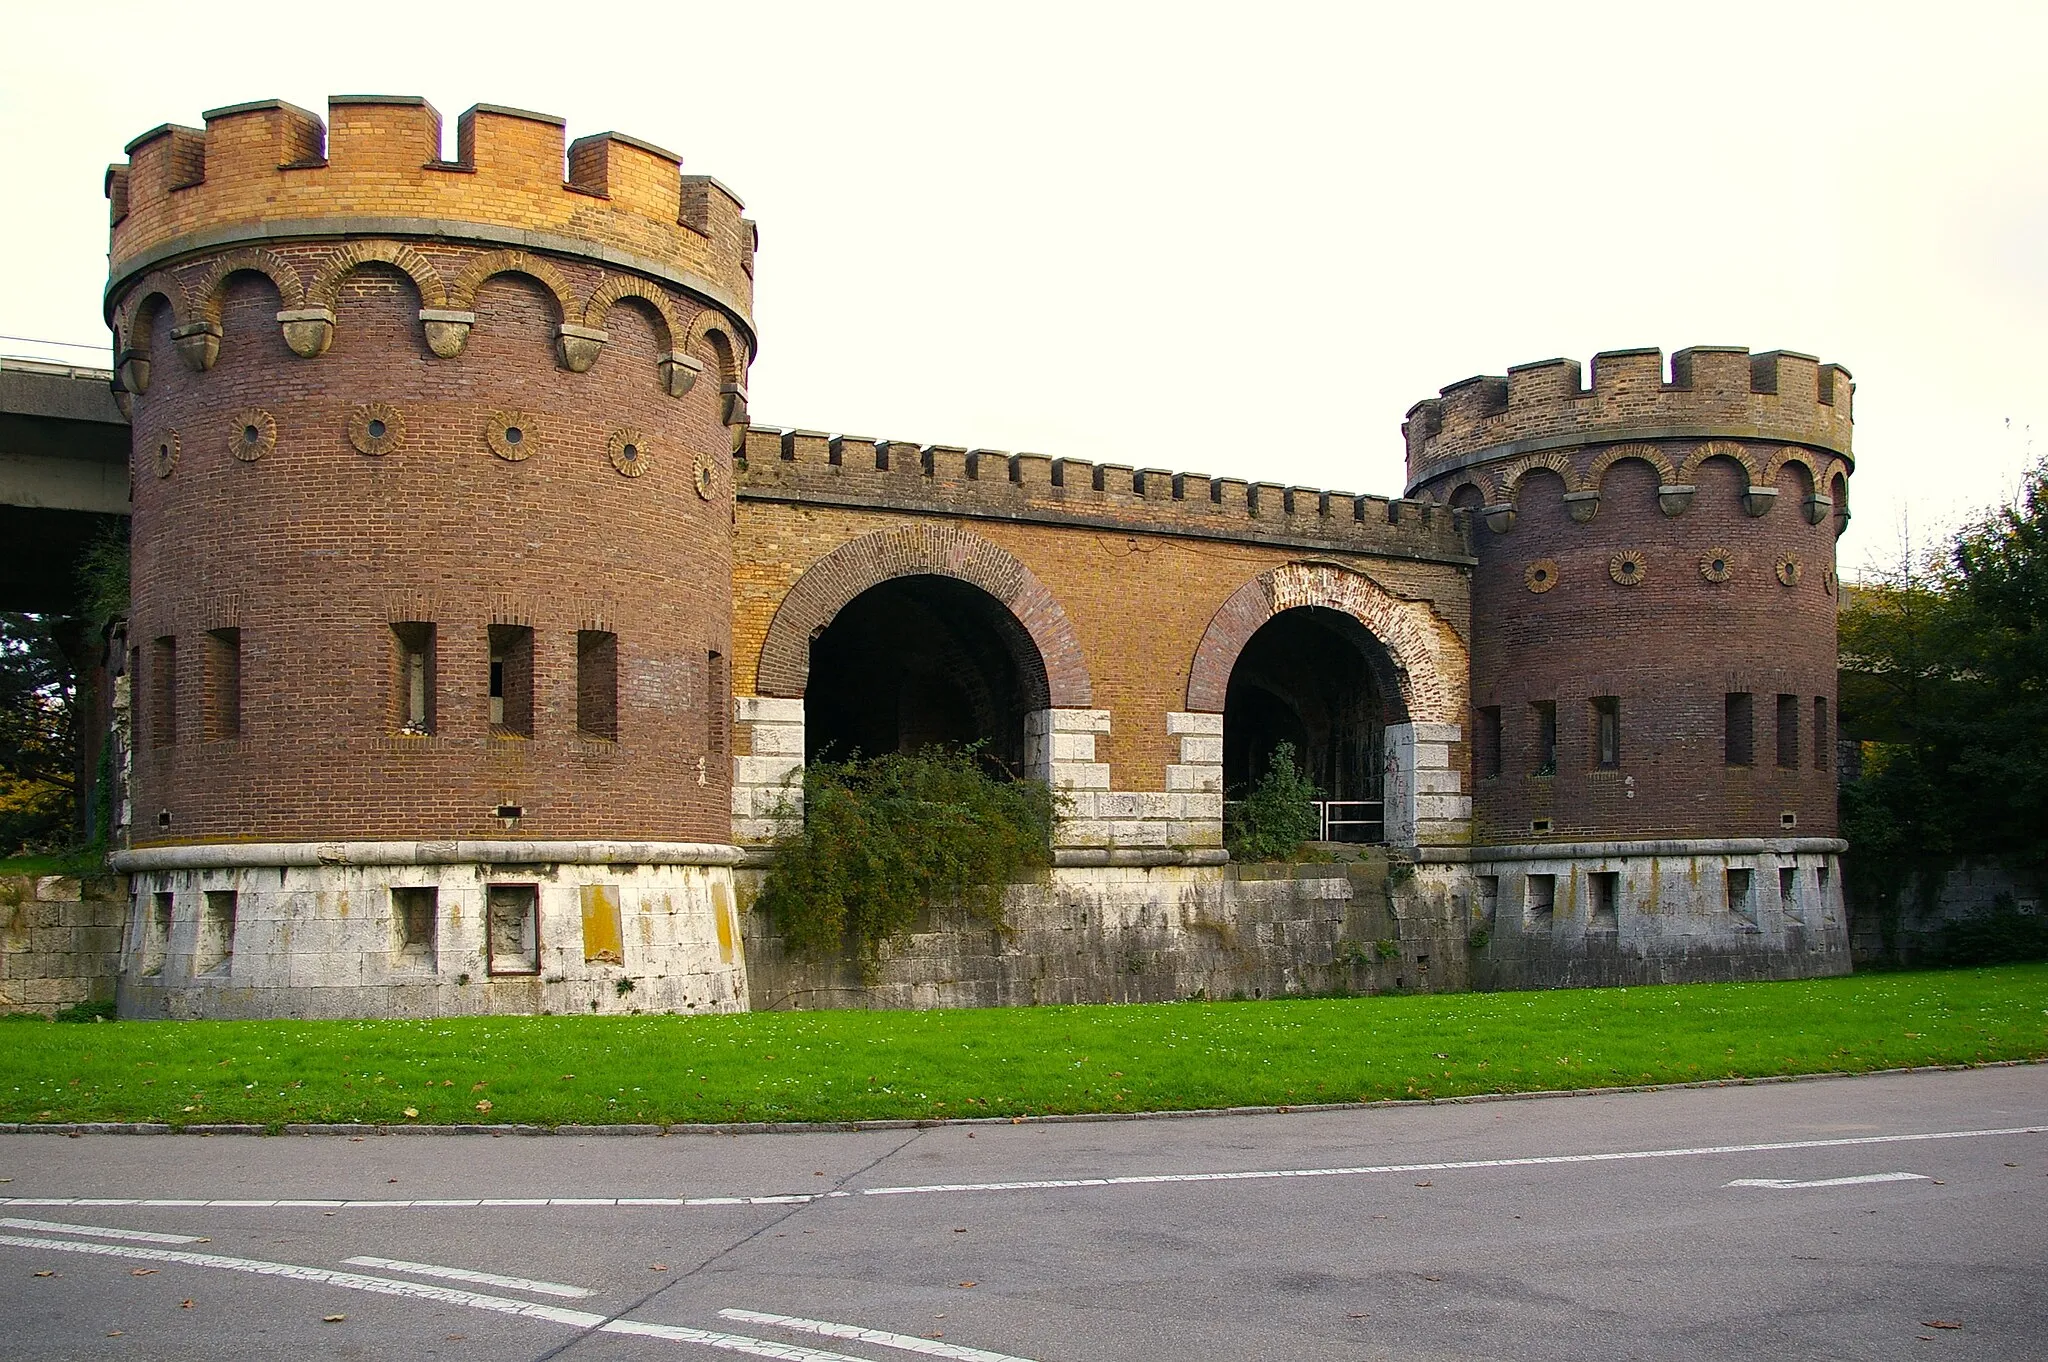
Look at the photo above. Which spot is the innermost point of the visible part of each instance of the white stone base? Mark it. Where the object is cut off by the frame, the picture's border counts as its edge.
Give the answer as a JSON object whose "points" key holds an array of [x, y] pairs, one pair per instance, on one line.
{"points": [[323, 940]]}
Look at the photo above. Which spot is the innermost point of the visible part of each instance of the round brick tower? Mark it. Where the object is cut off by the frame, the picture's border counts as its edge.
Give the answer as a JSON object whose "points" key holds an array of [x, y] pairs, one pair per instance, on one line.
{"points": [[432, 475], [1653, 681]]}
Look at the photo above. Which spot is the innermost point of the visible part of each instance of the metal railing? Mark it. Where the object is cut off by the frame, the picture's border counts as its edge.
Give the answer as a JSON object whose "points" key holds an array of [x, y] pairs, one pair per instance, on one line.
{"points": [[1352, 820]]}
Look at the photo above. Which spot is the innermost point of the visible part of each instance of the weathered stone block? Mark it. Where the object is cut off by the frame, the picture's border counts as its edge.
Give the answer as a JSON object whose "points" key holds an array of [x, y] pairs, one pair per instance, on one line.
{"points": [[755, 709], [1179, 723], [58, 889], [1200, 749]]}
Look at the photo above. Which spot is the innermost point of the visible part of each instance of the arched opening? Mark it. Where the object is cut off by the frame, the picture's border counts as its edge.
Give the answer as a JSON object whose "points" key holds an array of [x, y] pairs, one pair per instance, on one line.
{"points": [[1317, 679], [922, 661]]}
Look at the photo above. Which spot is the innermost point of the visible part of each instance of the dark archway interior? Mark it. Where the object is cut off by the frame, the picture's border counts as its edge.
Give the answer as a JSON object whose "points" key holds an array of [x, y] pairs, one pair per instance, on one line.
{"points": [[918, 662], [1309, 677]]}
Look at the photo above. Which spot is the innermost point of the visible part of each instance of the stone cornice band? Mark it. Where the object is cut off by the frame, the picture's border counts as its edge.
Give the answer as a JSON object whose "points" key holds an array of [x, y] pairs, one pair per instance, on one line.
{"points": [[1619, 434], [269, 855], [1617, 851]]}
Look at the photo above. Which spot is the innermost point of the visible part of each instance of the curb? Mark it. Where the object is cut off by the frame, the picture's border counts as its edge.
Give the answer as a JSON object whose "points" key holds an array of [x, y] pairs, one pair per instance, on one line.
{"points": [[359, 1129]]}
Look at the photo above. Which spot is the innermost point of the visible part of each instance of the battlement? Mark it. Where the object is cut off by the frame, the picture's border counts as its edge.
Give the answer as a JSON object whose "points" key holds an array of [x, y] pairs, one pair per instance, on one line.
{"points": [[844, 470], [274, 171], [1714, 392]]}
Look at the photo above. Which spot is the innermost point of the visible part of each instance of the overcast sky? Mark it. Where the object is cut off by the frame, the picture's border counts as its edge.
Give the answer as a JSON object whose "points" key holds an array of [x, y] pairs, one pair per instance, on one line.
{"points": [[1231, 239]]}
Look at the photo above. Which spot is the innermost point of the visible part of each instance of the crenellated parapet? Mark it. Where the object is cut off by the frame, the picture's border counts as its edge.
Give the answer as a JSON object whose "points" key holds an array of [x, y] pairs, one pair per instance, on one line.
{"points": [[1715, 392], [819, 468], [1478, 441], [268, 188]]}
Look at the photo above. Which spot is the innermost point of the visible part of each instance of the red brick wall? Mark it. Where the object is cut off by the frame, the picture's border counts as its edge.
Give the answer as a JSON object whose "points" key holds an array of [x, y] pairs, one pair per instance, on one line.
{"points": [[1670, 648], [313, 550]]}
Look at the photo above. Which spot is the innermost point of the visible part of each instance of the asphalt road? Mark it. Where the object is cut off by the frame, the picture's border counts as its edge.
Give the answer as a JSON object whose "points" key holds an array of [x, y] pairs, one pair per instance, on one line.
{"points": [[1650, 1225]]}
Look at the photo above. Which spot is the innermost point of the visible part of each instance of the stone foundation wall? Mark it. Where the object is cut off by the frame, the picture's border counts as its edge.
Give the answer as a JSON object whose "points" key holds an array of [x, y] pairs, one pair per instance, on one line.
{"points": [[1673, 912], [330, 941], [1968, 890], [1112, 934], [60, 940]]}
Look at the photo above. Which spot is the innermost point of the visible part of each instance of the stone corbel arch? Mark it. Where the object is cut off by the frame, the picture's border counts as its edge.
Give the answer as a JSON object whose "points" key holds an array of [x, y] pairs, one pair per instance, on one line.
{"points": [[309, 330], [576, 345], [1758, 495], [676, 379], [712, 331], [199, 339], [828, 585], [156, 291]]}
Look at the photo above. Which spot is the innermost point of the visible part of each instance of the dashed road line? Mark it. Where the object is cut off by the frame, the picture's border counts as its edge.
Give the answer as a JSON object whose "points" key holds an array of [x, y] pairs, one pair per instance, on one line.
{"points": [[1051, 1184], [1786, 1184], [99, 1232], [446, 1295], [463, 1274], [909, 1343]]}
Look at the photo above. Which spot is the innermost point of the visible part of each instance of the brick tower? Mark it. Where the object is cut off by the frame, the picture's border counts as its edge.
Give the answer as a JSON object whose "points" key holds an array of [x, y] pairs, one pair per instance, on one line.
{"points": [[431, 611], [1653, 673]]}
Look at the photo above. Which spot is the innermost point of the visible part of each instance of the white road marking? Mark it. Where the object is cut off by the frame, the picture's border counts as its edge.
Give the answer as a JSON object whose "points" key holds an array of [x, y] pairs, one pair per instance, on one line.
{"points": [[908, 1343], [1056, 1184], [97, 1232], [1787, 1183], [463, 1274], [446, 1295]]}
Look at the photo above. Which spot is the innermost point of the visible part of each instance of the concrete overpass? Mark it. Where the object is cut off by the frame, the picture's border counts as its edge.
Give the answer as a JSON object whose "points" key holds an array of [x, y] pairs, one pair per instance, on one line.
{"points": [[63, 478]]}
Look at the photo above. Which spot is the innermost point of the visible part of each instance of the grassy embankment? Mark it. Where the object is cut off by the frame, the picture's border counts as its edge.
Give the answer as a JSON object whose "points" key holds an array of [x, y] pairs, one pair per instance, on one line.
{"points": [[837, 1066]]}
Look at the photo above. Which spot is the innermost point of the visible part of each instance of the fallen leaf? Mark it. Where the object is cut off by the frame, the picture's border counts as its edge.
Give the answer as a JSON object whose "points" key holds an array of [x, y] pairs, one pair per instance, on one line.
{"points": [[412, 1113], [141, 1271], [477, 1087], [46, 1274], [936, 1335], [657, 1267], [567, 1077], [113, 1333], [1425, 1184], [184, 1305], [332, 1319], [1939, 1324], [958, 1231], [457, 1338], [1367, 1315], [484, 1105], [1432, 1279], [967, 1283]]}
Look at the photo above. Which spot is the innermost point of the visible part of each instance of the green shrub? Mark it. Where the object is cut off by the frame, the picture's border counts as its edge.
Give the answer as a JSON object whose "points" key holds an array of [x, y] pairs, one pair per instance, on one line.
{"points": [[885, 838], [1998, 935], [87, 1012], [1276, 815]]}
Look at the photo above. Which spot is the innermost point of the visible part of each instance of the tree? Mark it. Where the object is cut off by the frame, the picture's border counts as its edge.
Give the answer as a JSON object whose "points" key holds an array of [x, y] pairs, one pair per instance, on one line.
{"points": [[1943, 667], [38, 734]]}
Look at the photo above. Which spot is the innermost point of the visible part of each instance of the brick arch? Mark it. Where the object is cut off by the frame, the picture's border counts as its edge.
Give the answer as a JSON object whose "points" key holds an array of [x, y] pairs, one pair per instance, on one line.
{"points": [[713, 330], [212, 290], [326, 288], [1719, 449], [619, 286], [1596, 472], [132, 342], [1791, 455], [462, 295], [1428, 660], [829, 584], [1510, 480]]}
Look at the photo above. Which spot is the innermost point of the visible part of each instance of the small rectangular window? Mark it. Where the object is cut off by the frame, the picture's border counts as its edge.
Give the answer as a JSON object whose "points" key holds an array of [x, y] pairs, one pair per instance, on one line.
{"points": [[1606, 889], [1488, 746], [1607, 732], [1544, 715], [1739, 902], [415, 925], [514, 929], [1820, 878], [604, 938], [413, 648], [223, 685], [718, 706], [156, 933], [1822, 748], [1738, 733], [1788, 731], [512, 680], [216, 946], [1540, 896], [597, 684], [163, 691], [1489, 896]]}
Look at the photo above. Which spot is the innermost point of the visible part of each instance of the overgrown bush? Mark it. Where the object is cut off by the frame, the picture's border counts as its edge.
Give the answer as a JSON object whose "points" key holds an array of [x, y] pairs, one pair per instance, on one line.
{"points": [[1276, 815], [885, 838]]}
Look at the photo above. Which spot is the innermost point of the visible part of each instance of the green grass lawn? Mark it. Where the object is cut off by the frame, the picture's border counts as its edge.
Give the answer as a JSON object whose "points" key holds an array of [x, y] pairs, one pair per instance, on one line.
{"points": [[838, 1066]]}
